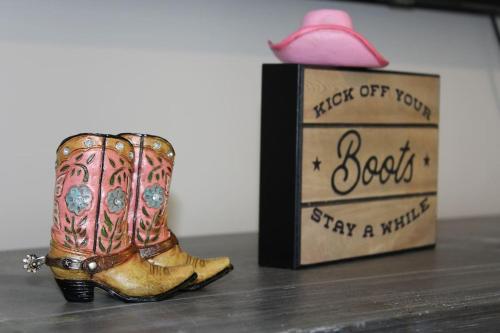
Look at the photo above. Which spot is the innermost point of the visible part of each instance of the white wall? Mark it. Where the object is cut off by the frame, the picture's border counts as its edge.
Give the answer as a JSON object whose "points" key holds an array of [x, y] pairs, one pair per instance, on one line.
{"points": [[190, 71]]}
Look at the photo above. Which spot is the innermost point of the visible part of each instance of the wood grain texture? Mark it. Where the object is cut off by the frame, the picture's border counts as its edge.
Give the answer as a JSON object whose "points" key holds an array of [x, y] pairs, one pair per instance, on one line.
{"points": [[325, 239], [377, 106], [334, 136], [380, 143], [367, 137], [454, 287]]}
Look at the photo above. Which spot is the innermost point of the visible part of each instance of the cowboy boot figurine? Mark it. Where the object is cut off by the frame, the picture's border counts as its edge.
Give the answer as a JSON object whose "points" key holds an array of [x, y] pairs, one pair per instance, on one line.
{"points": [[148, 212], [91, 246]]}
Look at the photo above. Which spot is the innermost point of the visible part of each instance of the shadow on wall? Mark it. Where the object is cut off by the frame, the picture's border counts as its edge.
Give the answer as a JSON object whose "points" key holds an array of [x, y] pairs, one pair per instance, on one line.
{"points": [[494, 76]]}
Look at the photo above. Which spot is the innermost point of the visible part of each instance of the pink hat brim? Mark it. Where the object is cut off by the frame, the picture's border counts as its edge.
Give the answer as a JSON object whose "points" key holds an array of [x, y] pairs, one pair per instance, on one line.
{"points": [[328, 44]]}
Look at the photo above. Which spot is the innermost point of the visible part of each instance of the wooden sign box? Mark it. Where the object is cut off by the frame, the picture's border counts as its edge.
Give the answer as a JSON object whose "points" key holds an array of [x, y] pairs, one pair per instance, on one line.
{"points": [[348, 163]]}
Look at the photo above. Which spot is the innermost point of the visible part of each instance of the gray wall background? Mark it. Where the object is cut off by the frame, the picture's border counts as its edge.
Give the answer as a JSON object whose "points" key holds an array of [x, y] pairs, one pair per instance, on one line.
{"points": [[190, 71]]}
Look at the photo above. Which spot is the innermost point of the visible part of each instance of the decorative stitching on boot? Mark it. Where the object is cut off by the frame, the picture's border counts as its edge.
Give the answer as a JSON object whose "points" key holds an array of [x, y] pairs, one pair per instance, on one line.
{"points": [[153, 250]]}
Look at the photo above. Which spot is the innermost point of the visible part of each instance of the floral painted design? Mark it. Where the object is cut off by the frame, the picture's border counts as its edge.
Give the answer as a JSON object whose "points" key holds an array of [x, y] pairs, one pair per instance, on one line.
{"points": [[73, 196], [55, 215], [75, 232], [91, 194], [150, 227], [150, 213], [113, 227], [111, 231], [78, 199], [59, 185], [116, 200], [154, 196]]}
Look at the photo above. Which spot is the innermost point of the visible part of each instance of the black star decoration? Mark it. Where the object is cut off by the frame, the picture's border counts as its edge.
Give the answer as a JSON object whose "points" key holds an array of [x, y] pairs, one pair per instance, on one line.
{"points": [[426, 160], [316, 163]]}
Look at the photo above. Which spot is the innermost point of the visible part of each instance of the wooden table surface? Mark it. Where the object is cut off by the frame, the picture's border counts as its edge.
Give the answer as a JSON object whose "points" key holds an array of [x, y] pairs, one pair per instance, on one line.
{"points": [[455, 286]]}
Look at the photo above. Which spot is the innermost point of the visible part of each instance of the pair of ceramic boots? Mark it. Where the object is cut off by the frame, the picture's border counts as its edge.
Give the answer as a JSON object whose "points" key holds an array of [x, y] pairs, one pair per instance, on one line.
{"points": [[110, 222]]}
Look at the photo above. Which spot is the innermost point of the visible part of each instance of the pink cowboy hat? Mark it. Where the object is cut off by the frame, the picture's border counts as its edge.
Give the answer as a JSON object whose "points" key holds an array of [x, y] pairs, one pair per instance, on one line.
{"points": [[327, 37]]}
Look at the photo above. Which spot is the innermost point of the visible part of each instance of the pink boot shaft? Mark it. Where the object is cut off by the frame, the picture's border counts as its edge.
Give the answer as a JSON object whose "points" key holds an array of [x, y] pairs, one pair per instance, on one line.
{"points": [[150, 189], [93, 180]]}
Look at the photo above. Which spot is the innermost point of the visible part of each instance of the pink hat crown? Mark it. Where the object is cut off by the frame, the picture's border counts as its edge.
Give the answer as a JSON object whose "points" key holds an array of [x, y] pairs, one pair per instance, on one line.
{"points": [[327, 37], [327, 17]]}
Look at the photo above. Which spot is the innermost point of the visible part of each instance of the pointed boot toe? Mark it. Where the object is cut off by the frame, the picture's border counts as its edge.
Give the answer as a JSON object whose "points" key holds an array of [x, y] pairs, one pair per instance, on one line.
{"points": [[209, 270], [177, 277]]}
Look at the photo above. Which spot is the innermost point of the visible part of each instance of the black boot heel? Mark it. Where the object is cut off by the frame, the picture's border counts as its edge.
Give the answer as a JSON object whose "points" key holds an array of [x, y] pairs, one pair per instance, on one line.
{"points": [[77, 290]]}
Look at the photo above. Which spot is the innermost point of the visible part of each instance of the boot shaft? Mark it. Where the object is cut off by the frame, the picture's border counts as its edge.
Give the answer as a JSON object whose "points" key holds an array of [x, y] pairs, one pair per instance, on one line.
{"points": [[150, 189], [93, 180]]}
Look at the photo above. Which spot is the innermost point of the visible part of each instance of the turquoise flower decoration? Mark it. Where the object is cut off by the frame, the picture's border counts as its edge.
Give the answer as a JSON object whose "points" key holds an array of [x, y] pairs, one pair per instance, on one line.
{"points": [[116, 200], [78, 199], [154, 196]]}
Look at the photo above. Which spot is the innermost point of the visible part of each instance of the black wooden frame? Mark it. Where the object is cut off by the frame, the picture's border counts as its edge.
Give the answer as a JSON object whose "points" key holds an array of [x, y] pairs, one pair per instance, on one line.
{"points": [[281, 162]]}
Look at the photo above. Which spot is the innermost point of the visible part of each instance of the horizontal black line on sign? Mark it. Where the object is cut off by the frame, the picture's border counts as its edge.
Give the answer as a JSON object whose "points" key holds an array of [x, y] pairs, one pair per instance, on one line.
{"points": [[368, 125], [367, 199]]}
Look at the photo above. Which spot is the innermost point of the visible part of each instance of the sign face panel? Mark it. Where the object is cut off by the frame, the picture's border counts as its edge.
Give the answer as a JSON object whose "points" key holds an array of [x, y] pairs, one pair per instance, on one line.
{"points": [[369, 158]]}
